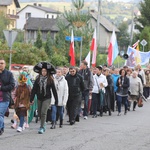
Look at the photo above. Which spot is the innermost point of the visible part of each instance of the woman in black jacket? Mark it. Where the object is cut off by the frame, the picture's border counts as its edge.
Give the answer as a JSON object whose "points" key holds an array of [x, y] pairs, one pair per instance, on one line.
{"points": [[42, 87], [122, 92]]}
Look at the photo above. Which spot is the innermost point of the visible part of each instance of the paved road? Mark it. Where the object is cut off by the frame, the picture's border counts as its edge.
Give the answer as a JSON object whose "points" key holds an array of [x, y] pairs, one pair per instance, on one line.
{"points": [[125, 132]]}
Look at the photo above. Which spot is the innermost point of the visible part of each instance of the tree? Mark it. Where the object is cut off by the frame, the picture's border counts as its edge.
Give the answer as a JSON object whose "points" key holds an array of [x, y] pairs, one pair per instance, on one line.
{"points": [[123, 36], [20, 36], [4, 22], [28, 54], [144, 19], [145, 34], [48, 45], [78, 20], [59, 60], [38, 42]]}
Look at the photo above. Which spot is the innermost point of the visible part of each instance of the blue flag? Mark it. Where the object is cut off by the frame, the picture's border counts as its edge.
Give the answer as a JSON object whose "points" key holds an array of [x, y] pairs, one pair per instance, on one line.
{"points": [[137, 57]]}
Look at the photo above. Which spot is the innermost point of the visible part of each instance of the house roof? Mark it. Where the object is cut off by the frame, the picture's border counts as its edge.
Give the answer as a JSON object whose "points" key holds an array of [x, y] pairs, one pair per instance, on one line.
{"points": [[9, 2], [44, 24], [105, 23], [45, 9]]}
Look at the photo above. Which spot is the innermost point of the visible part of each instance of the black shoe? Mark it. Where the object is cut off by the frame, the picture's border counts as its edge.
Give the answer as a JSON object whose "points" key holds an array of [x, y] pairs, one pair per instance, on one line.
{"points": [[109, 112], [72, 122], [53, 125], [12, 121], [134, 105], [61, 124], [1, 131], [77, 118], [125, 112], [94, 116], [101, 114]]}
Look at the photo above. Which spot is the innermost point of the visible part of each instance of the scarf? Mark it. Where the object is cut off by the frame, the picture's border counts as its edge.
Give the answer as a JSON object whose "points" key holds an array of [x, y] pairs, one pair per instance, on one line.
{"points": [[43, 84], [58, 79]]}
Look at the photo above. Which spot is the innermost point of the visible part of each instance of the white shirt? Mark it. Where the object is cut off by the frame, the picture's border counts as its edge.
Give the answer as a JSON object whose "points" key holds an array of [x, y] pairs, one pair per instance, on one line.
{"points": [[97, 81]]}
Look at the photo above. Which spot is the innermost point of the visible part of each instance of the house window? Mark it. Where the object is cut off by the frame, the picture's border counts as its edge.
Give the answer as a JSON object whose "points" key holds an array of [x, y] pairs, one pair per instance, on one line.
{"points": [[8, 11], [47, 15], [52, 16], [27, 15], [13, 12]]}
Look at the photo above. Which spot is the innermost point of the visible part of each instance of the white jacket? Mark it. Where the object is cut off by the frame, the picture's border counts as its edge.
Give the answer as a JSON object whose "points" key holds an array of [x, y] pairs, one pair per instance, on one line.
{"points": [[97, 81], [62, 91]]}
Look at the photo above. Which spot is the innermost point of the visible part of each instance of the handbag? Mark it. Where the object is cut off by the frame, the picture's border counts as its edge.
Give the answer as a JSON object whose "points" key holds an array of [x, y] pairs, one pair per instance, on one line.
{"points": [[11, 102], [140, 102], [7, 112]]}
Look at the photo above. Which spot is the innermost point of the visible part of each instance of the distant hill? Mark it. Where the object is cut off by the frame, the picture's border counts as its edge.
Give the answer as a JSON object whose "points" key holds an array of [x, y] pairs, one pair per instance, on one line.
{"points": [[113, 10], [29, 1]]}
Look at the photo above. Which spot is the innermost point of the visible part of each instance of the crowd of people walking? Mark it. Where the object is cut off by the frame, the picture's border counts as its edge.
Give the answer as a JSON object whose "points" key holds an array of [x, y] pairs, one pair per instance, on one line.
{"points": [[57, 92]]}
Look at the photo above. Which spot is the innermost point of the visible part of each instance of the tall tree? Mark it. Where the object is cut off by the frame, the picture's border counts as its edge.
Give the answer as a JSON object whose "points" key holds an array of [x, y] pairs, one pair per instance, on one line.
{"points": [[48, 45], [4, 22], [38, 43], [123, 36], [144, 19], [145, 34], [78, 20]]}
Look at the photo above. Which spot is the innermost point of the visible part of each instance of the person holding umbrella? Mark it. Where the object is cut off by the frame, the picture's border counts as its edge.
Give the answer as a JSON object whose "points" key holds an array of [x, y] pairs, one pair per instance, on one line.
{"points": [[42, 88]]}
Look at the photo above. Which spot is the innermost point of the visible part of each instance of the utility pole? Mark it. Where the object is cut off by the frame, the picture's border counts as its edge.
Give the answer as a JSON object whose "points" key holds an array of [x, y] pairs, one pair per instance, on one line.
{"points": [[132, 26], [98, 21]]}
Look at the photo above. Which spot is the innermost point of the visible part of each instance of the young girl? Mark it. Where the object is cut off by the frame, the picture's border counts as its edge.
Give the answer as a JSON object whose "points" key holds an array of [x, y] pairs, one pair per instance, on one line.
{"points": [[22, 98], [42, 87]]}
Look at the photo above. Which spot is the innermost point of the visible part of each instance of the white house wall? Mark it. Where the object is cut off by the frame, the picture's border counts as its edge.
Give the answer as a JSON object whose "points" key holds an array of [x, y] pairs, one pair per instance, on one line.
{"points": [[36, 13], [104, 35]]}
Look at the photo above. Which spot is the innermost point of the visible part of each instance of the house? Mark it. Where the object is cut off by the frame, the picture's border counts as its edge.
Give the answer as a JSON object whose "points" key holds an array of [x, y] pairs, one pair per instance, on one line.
{"points": [[35, 11], [9, 8], [105, 30], [45, 25]]}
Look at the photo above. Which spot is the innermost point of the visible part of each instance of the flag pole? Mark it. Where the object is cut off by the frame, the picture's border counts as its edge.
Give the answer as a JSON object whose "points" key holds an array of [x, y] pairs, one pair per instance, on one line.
{"points": [[118, 62]]}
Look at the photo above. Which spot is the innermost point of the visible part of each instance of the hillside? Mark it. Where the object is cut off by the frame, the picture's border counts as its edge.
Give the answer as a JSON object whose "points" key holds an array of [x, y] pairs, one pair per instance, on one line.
{"points": [[116, 12], [29, 1]]}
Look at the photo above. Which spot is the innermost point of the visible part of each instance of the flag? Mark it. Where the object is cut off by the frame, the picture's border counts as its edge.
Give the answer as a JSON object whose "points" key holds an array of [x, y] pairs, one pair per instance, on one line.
{"points": [[112, 49], [137, 57], [88, 59], [94, 49], [136, 45], [71, 52]]}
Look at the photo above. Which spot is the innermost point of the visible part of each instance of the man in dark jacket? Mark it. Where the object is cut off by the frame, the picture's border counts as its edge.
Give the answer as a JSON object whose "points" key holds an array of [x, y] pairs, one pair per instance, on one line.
{"points": [[7, 83], [88, 84], [76, 86]]}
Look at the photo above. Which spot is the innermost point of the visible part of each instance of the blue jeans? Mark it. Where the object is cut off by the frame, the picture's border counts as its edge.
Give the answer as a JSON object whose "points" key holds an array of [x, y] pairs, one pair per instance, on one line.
{"points": [[85, 95], [3, 108], [60, 111], [54, 110], [21, 118], [121, 99]]}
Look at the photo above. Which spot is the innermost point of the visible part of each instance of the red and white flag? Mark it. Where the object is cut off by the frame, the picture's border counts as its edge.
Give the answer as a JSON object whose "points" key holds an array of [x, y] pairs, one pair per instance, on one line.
{"points": [[94, 49], [136, 45], [72, 52], [88, 59]]}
